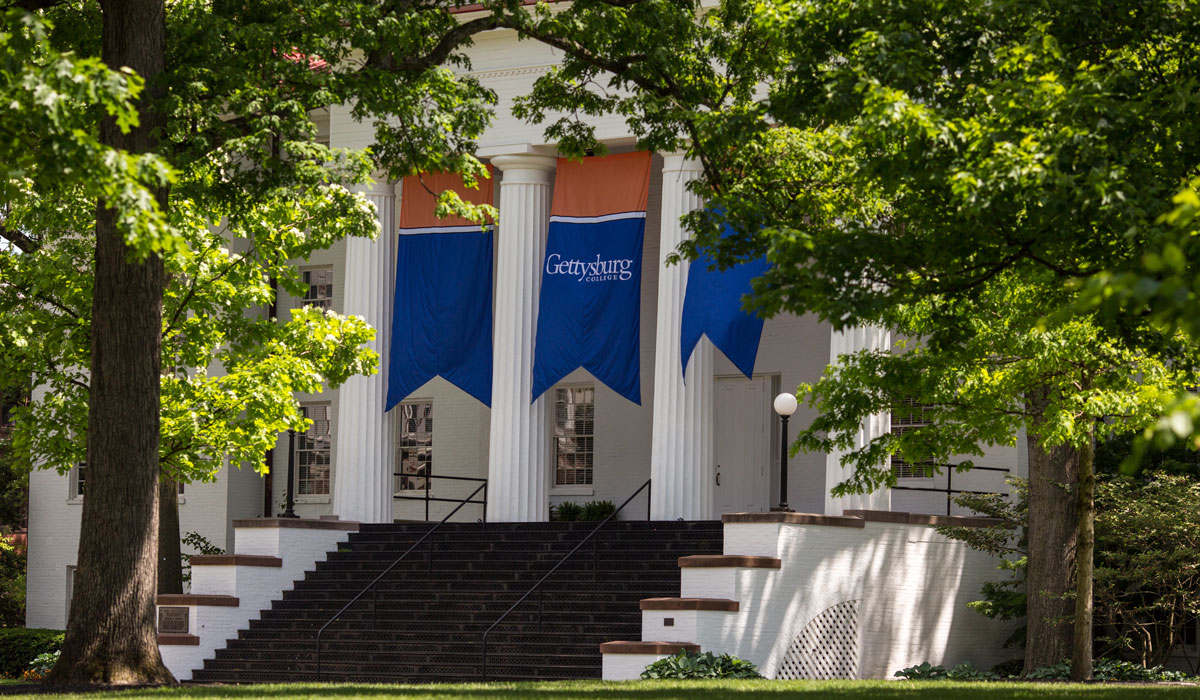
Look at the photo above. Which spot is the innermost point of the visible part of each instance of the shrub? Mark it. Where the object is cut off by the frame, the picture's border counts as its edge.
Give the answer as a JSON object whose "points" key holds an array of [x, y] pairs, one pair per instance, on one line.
{"points": [[40, 666], [12, 584], [1102, 670], [1009, 669], [597, 510], [20, 646], [924, 672], [966, 672], [1110, 670], [566, 512], [689, 664], [1147, 586]]}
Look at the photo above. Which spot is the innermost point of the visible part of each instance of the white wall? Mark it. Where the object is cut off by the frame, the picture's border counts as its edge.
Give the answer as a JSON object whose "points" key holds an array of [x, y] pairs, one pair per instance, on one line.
{"points": [[54, 520], [911, 587]]}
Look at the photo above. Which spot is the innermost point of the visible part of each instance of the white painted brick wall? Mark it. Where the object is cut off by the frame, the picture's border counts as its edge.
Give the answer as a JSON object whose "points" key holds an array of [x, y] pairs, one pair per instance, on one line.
{"points": [[626, 667], [54, 536], [912, 586], [254, 586]]}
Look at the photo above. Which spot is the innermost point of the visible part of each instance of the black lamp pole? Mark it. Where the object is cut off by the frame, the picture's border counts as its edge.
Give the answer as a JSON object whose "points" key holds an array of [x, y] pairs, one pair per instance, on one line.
{"points": [[290, 511], [783, 467]]}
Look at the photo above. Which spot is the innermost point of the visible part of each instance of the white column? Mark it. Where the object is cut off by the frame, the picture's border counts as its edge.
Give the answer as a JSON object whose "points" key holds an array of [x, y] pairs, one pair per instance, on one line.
{"points": [[681, 451], [845, 342], [518, 447], [363, 463]]}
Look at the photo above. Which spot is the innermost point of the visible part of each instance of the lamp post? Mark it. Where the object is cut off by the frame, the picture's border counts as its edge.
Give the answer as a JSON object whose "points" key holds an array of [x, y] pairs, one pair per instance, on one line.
{"points": [[290, 510], [785, 406]]}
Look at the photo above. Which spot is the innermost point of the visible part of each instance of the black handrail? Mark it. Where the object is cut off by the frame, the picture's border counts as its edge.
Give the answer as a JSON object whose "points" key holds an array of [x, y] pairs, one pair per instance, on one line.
{"points": [[370, 586], [949, 490], [484, 641], [427, 498]]}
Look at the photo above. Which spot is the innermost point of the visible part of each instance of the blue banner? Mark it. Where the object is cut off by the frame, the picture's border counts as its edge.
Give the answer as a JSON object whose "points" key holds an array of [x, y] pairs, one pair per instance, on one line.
{"points": [[589, 313], [442, 317], [712, 306]]}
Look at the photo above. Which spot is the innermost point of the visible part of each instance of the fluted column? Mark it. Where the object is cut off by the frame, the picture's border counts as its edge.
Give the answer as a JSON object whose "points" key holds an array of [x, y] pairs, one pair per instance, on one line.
{"points": [[681, 451], [363, 463], [845, 342], [518, 446]]}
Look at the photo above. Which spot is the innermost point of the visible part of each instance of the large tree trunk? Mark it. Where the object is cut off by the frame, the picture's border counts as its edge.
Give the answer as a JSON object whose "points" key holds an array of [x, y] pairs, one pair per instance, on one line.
{"points": [[110, 632], [170, 564], [1049, 579], [1081, 653]]}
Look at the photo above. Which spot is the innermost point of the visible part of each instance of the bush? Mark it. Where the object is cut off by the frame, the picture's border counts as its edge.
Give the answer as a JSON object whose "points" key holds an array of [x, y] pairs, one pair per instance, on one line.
{"points": [[566, 512], [924, 672], [20, 646], [1102, 670], [1009, 669], [12, 584], [1147, 586], [1110, 670], [40, 666], [689, 664], [591, 511], [597, 510]]}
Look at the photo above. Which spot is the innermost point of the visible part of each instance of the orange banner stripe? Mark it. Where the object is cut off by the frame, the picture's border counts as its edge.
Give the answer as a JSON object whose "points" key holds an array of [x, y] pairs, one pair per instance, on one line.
{"points": [[601, 185], [419, 197]]}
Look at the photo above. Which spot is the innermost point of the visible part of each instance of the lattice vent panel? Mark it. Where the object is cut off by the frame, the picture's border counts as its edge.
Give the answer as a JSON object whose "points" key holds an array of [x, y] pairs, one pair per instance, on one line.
{"points": [[827, 647]]}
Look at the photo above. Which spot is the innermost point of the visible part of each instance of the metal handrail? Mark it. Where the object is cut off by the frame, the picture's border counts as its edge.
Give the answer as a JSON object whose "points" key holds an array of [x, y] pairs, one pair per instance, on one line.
{"points": [[484, 641], [950, 491], [427, 498], [371, 586]]}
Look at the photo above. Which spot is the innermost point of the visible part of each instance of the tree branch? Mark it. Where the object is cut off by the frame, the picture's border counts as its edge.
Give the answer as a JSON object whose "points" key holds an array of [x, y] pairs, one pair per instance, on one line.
{"points": [[22, 241], [451, 40]]}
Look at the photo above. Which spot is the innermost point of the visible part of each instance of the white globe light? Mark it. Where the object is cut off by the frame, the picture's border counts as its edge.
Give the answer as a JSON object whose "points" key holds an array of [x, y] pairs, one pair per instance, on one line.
{"points": [[785, 404]]}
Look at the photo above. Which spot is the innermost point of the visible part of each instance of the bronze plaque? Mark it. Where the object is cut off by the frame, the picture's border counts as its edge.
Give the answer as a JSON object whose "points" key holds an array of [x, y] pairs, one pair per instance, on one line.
{"points": [[172, 620]]}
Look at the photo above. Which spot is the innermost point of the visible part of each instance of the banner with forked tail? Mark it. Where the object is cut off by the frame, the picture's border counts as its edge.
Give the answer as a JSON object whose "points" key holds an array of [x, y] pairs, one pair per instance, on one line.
{"points": [[442, 316], [712, 306], [589, 312]]}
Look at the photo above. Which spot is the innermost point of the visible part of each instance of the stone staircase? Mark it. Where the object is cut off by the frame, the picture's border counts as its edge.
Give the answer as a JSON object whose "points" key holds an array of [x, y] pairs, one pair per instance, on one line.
{"points": [[428, 616]]}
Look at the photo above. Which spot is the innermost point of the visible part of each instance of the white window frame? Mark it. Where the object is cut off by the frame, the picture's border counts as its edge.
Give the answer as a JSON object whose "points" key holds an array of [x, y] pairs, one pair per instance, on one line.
{"points": [[74, 496], [572, 489], [900, 468], [415, 478], [314, 497], [319, 302]]}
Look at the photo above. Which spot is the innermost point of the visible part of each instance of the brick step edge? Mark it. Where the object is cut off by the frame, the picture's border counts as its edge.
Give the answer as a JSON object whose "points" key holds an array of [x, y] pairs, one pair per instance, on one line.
{"points": [[647, 647]]}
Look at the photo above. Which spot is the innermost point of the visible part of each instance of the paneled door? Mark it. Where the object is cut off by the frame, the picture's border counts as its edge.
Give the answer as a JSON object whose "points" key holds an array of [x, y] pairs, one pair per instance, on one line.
{"points": [[743, 443]]}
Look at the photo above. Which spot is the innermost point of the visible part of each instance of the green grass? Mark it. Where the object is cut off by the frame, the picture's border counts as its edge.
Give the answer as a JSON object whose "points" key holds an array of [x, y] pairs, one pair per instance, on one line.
{"points": [[666, 690], [10, 681]]}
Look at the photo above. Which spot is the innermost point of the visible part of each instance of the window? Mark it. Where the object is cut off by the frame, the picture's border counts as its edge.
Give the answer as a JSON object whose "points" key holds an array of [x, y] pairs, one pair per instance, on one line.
{"points": [[910, 415], [574, 435], [320, 288], [312, 452], [78, 477], [414, 440]]}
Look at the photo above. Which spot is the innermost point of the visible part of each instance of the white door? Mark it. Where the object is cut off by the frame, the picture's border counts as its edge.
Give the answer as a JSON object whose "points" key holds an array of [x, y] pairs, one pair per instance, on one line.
{"points": [[743, 411]]}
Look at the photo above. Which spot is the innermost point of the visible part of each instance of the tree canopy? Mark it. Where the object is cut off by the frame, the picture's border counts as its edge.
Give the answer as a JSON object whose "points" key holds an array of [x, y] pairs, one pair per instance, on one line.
{"points": [[1003, 183]]}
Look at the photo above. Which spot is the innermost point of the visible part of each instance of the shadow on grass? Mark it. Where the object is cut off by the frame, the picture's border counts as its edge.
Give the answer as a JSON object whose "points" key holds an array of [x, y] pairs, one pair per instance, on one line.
{"points": [[669, 690]]}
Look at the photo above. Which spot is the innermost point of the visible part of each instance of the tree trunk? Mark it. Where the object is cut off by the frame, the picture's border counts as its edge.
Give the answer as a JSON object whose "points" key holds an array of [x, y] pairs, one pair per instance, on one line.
{"points": [[1081, 653], [170, 565], [1051, 539], [111, 632]]}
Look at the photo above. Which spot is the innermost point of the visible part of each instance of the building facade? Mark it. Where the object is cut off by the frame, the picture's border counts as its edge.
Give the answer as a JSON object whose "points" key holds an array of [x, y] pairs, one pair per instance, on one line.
{"points": [[708, 440]]}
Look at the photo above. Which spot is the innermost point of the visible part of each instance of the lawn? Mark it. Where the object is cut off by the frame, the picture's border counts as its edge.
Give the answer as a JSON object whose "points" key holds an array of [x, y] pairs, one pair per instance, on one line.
{"points": [[664, 690]]}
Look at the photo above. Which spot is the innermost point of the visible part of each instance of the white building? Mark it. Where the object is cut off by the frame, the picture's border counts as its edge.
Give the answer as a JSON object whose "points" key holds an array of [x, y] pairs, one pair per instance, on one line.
{"points": [[709, 444]]}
